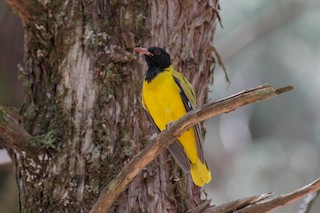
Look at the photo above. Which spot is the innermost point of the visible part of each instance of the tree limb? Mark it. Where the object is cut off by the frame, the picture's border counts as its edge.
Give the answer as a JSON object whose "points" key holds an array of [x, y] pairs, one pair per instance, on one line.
{"points": [[260, 204], [27, 10], [235, 205], [283, 199], [307, 202], [14, 137], [160, 143]]}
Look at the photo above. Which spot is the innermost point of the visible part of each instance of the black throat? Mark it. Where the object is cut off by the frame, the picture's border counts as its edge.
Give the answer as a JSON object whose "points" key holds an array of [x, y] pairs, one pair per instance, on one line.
{"points": [[152, 73]]}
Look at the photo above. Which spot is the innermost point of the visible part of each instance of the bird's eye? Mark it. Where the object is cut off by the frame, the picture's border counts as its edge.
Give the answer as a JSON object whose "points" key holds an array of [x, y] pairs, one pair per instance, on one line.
{"points": [[157, 52]]}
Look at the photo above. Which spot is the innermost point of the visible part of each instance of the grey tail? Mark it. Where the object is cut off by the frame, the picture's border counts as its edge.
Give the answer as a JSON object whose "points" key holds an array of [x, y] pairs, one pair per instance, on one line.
{"points": [[177, 151]]}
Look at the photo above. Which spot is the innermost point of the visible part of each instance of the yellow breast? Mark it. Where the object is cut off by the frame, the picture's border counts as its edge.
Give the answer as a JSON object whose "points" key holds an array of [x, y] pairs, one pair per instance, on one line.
{"points": [[161, 98]]}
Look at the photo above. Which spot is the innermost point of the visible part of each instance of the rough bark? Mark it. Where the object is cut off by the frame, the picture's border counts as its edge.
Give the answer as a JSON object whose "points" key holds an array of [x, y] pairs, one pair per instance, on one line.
{"points": [[82, 103]]}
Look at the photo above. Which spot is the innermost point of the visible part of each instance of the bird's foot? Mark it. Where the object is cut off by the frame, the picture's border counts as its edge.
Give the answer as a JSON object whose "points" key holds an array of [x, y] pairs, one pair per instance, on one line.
{"points": [[169, 124]]}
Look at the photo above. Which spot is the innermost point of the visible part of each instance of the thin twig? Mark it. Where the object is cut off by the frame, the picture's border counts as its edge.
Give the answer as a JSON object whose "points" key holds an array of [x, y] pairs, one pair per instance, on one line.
{"points": [[259, 204], [237, 204], [307, 202], [122, 180], [201, 207], [282, 199]]}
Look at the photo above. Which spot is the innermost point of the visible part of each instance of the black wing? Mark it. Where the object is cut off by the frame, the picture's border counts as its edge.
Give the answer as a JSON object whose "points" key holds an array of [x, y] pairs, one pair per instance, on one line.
{"points": [[197, 128]]}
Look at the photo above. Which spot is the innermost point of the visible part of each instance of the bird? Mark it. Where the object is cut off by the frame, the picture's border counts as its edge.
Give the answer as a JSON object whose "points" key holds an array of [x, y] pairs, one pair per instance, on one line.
{"points": [[166, 97]]}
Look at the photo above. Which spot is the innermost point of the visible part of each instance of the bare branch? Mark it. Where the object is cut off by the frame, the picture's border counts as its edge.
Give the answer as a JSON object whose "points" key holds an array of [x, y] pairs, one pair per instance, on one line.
{"points": [[283, 199], [237, 204], [307, 202], [201, 207], [260, 204], [13, 136], [27, 10], [121, 182]]}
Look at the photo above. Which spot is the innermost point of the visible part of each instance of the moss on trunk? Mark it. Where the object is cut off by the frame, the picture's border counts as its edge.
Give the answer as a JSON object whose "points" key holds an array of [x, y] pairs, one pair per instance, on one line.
{"points": [[82, 102]]}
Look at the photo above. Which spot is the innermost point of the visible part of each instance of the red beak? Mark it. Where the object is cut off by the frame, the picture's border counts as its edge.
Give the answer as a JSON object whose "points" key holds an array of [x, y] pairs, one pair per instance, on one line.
{"points": [[142, 51]]}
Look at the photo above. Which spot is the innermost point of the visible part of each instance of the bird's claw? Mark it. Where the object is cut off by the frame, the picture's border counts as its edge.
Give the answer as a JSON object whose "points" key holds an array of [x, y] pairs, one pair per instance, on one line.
{"points": [[169, 124]]}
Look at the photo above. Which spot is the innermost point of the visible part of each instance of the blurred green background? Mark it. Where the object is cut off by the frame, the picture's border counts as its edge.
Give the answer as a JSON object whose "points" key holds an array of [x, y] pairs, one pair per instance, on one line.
{"points": [[272, 146]]}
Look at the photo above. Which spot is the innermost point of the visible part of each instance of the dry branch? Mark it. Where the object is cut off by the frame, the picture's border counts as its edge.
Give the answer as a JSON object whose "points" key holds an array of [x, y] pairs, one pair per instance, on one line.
{"points": [[14, 137], [307, 202], [27, 10], [263, 203], [237, 204], [121, 182], [282, 199]]}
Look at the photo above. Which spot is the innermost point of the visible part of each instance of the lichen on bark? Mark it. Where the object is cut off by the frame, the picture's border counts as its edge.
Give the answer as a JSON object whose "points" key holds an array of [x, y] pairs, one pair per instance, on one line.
{"points": [[83, 105]]}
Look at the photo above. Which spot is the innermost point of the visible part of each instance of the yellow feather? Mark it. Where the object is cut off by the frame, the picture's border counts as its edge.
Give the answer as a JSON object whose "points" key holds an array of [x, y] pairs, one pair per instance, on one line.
{"points": [[161, 98]]}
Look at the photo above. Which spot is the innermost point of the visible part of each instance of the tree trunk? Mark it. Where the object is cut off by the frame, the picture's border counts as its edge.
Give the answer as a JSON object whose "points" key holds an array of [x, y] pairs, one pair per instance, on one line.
{"points": [[82, 101]]}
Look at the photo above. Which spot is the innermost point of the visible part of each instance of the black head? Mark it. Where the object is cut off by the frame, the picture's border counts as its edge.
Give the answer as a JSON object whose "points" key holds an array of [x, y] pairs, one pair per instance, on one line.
{"points": [[155, 57]]}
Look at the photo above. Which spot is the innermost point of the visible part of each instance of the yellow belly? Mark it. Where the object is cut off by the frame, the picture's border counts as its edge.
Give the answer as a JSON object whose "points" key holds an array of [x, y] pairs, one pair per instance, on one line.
{"points": [[162, 99]]}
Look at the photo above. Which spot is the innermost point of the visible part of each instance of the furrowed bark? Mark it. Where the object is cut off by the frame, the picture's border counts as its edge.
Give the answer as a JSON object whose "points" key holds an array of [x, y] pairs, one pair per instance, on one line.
{"points": [[82, 102]]}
